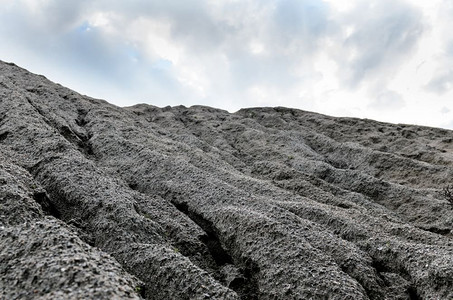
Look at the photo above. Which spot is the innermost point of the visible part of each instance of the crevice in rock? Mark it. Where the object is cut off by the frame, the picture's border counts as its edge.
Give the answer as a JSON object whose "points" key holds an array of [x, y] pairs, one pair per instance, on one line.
{"points": [[34, 169], [369, 292], [84, 140], [381, 269], [86, 147], [3, 136], [338, 164], [436, 230], [50, 207], [247, 286], [244, 282], [44, 118], [47, 206], [133, 186], [194, 249], [413, 294], [210, 239], [78, 226], [395, 280], [38, 90], [81, 121], [81, 141], [141, 290]]}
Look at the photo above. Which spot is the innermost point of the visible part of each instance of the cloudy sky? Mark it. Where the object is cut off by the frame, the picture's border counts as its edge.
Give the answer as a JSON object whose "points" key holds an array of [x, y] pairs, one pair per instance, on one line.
{"points": [[390, 60]]}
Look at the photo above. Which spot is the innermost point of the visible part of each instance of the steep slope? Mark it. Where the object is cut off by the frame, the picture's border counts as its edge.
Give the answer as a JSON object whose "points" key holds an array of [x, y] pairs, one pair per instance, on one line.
{"points": [[198, 203]]}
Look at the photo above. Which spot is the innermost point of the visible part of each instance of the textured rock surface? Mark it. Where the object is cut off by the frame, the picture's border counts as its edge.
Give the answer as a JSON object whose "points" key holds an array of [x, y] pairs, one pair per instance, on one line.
{"points": [[41, 257], [198, 203]]}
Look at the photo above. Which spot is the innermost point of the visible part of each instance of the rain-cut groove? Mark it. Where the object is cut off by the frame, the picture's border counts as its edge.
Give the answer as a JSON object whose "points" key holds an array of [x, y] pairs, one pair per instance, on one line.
{"points": [[50, 209], [83, 144], [370, 294], [413, 294], [3, 136], [49, 206], [382, 267], [210, 239], [40, 112], [244, 285], [436, 230], [46, 204], [80, 141], [379, 264]]}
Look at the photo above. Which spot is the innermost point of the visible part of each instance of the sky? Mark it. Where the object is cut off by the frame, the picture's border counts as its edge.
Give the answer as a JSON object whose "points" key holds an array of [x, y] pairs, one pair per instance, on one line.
{"points": [[388, 60]]}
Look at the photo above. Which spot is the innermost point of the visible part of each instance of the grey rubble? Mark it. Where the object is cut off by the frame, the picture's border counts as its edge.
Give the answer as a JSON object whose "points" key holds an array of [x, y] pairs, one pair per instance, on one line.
{"points": [[104, 202]]}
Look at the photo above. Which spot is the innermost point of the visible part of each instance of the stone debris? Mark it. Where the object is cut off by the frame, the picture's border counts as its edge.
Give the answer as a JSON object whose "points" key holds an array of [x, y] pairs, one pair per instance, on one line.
{"points": [[99, 202]]}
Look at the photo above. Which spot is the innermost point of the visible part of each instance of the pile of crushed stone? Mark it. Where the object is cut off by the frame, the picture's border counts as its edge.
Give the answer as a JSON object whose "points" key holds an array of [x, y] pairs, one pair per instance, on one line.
{"points": [[103, 202]]}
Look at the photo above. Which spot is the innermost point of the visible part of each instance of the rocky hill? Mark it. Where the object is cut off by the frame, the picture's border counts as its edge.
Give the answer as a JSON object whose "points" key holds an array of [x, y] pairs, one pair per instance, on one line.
{"points": [[103, 202]]}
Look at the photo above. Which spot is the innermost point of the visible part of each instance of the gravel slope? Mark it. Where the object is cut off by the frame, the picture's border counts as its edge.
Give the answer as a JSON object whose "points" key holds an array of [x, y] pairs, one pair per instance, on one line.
{"points": [[199, 203]]}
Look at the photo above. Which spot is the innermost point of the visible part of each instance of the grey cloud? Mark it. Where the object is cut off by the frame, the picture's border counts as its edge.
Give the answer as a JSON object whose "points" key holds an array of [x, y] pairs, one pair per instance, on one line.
{"points": [[442, 79], [88, 48], [289, 31], [197, 27], [385, 33], [41, 29], [73, 48], [306, 20], [120, 64], [248, 70], [191, 22], [50, 17], [59, 16], [67, 44]]}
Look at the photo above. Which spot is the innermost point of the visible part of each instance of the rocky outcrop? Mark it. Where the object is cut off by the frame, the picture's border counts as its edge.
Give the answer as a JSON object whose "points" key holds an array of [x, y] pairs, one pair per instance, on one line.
{"points": [[199, 203]]}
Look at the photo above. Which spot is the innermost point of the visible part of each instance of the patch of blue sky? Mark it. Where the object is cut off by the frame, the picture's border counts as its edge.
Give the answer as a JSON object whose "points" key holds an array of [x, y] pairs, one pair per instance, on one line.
{"points": [[84, 27], [132, 54], [306, 17], [162, 64]]}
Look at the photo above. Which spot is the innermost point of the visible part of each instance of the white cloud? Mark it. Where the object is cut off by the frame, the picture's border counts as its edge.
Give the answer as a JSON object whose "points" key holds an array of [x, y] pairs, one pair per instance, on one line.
{"points": [[387, 100]]}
